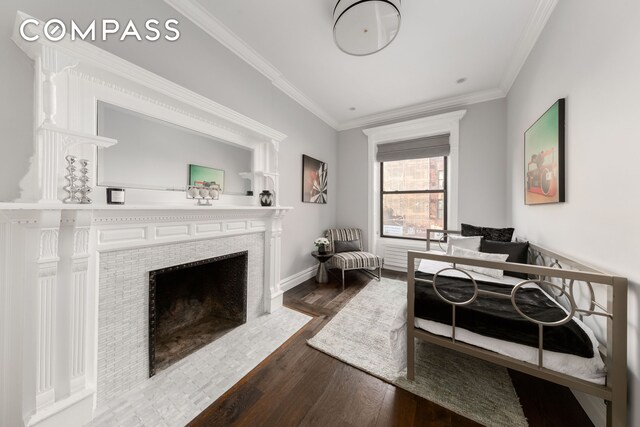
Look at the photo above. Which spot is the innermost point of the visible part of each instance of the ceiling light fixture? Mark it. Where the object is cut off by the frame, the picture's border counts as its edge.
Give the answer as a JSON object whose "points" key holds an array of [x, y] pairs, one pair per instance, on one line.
{"points": [[363, 27]]}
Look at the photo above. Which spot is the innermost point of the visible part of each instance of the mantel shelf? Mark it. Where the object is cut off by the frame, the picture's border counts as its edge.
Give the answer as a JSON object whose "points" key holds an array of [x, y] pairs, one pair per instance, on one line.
{"points": [[136, 207], [250, 175], [75, 137]]}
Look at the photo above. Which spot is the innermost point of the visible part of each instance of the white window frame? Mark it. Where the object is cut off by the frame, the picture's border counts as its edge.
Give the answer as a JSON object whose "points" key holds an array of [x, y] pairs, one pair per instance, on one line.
{"points": [[407, 130]]}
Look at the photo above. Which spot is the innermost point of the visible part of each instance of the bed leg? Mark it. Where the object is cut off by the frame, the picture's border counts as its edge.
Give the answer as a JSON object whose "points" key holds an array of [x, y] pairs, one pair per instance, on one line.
{"points": [[411, 352], [616, 414]]}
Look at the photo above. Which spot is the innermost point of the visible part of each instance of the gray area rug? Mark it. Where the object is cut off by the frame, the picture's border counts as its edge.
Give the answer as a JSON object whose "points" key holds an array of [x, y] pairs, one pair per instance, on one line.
{"points": [[359, 336]]}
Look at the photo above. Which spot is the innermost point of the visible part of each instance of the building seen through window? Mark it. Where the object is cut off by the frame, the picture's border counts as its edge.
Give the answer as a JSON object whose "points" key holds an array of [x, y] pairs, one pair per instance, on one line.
{"points": [[413, 197]]}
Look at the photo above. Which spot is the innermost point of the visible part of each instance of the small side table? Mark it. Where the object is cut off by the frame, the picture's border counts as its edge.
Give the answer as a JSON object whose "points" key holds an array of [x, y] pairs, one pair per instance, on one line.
{"points": [[321, 275]]}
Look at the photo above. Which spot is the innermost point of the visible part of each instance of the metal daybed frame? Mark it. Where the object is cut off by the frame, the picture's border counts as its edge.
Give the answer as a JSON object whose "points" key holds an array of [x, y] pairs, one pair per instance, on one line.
{"points": [[558, 275]]}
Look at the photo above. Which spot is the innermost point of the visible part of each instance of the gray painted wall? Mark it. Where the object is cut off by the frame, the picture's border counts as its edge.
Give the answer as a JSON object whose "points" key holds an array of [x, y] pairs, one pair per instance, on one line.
{"points": [[197, 62], [588, 54], [481, 168]]}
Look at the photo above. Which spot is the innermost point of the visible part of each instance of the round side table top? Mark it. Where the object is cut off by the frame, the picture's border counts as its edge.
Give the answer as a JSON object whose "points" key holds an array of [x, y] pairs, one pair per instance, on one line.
{"points": [[322, 257]]}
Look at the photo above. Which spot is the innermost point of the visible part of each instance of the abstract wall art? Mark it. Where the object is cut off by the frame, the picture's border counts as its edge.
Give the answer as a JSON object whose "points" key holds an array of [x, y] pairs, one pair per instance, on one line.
{"points": [[314, 180]]}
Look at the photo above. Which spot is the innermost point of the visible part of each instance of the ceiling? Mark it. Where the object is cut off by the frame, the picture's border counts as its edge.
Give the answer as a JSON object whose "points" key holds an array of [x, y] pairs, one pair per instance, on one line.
{"points": [[291, 42]]}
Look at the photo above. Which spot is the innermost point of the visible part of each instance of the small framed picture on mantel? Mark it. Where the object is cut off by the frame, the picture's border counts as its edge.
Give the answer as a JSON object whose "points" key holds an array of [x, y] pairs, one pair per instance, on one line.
{"points": [[544, 157]]}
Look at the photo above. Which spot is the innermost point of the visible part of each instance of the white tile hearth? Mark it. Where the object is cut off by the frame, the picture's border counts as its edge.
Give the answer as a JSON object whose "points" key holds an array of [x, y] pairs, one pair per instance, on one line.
{"points": [[178, 394]]}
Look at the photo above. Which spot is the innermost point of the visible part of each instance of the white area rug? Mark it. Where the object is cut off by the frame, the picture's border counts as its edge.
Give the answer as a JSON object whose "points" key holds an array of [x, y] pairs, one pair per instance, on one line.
{"points": [[359, 335], [178, 394]]}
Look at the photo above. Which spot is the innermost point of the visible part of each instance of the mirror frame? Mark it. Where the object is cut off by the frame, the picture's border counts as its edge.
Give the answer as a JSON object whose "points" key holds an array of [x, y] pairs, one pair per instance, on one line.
{"points": [[71, 76]]}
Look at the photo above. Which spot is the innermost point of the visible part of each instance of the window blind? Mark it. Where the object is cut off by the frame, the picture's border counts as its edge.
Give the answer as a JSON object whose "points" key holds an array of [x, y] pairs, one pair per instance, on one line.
{"points": [[433, 146]]}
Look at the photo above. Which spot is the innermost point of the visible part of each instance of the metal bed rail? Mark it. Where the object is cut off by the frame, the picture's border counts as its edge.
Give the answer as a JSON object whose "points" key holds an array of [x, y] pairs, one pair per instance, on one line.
{"points": [[558, 279]]}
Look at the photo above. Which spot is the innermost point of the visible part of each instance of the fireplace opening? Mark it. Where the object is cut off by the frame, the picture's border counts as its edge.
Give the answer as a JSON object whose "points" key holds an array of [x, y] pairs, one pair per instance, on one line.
{"points": [[193, 304]]}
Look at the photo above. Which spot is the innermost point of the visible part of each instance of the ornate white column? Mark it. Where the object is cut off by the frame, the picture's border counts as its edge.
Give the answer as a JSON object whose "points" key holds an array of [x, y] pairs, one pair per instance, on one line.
{"points": [[73, 291], [53, 137], [40, 309], [50, 145], [272, 261]]}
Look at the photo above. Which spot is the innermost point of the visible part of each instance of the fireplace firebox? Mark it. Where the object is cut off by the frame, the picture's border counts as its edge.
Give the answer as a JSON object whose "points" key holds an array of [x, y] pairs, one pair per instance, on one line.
{"points": [[193, 304]]}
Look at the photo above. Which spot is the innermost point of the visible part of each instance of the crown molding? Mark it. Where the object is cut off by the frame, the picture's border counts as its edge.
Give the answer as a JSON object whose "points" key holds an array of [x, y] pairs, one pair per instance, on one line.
{"points": [[68, 54], [527, 41], [427, 107], [201, 17]]}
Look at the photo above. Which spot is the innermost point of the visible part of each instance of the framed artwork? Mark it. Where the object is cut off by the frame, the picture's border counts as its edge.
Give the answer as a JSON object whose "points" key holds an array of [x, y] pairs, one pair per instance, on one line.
{"points": [[314, 180], [202, 176], [544, 157]]}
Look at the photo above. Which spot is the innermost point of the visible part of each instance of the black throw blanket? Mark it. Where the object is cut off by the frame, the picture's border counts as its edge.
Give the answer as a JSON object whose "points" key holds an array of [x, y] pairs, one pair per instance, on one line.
{"points": [[496, 317]]}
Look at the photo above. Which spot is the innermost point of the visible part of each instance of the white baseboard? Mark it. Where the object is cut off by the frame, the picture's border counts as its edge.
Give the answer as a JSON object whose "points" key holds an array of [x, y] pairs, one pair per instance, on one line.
{"points": [[395, 268], [594, 407], [297, 278]]}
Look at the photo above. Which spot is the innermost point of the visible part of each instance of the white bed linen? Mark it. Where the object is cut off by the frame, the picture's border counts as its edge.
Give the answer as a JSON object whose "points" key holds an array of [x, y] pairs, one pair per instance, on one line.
{"points": [[589, 369]]}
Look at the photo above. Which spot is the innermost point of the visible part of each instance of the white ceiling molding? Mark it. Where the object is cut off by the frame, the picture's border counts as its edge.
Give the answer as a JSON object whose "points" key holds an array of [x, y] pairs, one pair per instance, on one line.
{"points": [[427, 107], [200, 16], [527, 41]]}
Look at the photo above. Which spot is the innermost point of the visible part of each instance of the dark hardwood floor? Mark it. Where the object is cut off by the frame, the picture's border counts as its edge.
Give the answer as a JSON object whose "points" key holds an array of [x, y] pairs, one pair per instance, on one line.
{"points": [[300, 386]]}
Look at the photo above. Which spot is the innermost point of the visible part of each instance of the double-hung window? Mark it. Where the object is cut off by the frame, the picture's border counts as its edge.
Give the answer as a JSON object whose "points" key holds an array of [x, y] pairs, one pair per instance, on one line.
{"points": [[413, 187]]}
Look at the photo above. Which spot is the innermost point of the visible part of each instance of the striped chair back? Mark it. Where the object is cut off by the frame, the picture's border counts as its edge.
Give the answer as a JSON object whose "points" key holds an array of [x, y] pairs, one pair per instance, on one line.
{"points": [[343, 235]]}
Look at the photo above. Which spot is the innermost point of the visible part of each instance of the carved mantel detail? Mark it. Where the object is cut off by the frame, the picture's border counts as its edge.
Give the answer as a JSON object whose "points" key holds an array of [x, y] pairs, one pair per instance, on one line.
{"points": [[60, 283], [54, 293], [72, 74]]}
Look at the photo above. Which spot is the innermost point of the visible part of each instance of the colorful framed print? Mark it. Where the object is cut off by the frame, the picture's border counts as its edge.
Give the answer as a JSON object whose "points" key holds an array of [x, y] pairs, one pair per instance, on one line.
{"points": [[314, 180], [544, 157], [202, 176]]}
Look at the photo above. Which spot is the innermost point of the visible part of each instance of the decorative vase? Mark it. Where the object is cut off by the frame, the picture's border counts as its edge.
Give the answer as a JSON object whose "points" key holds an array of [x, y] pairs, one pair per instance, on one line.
{"points": [[266, 198], [322, 249]]}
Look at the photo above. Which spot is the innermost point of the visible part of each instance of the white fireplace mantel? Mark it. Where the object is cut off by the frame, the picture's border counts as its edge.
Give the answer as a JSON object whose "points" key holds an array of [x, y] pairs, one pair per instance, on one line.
{"points": [[72, 75], [50, 252], [49, 260]]}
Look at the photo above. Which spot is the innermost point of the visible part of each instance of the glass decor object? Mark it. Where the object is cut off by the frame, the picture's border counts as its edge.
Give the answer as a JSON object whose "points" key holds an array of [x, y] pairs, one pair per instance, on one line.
{"points": [[84, 188], [71, 188], [363, 27], [77, 193], [204, 193]]}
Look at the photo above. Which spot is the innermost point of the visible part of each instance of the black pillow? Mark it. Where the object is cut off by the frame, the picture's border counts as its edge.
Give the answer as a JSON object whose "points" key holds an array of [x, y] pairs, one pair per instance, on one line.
{"points": [[346, 246], [497, 234], [517, 251]]}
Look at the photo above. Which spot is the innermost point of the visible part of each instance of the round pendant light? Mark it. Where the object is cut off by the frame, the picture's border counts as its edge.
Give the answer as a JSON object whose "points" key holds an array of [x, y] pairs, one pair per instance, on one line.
{"points": [[363, 27]]}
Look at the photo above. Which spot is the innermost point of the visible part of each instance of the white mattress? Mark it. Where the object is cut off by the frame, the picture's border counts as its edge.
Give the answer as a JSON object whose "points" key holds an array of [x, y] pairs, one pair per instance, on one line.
{"points": [[589, 369]]}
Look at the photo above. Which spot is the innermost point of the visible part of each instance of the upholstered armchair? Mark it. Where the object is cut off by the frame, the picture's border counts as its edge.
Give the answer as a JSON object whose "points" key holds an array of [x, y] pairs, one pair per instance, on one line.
{"points": [[346, 244]]}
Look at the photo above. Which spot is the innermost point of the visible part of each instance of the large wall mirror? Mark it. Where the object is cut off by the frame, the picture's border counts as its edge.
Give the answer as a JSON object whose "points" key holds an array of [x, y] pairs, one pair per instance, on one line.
{"points": [[154, 154]]}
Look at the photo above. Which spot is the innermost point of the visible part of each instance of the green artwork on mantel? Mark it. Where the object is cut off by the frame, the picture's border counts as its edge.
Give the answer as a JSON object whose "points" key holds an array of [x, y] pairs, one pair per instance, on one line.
{"points": [[203, 176]]}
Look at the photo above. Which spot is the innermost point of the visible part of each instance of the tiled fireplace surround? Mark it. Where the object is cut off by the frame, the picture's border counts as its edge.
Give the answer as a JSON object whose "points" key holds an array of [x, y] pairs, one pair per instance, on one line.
{"points": [[123, 310]]}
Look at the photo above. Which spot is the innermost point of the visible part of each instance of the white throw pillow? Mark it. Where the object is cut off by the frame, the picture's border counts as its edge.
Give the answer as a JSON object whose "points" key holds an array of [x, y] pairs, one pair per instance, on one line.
{"points": [[471, 242], [466, 253]]}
